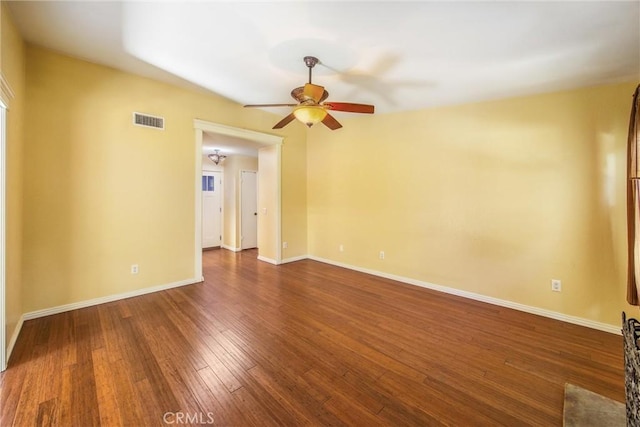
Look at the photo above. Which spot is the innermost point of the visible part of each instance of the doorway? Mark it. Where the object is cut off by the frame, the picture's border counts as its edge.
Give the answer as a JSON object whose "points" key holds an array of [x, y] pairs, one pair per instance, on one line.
{"points": [[211, 209], [248, 210], [269, 193]]}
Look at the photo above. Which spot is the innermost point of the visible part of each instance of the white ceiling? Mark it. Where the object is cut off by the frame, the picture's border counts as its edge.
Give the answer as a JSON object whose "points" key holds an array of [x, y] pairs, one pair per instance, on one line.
{"points": [[397, 55], [229, 145]]}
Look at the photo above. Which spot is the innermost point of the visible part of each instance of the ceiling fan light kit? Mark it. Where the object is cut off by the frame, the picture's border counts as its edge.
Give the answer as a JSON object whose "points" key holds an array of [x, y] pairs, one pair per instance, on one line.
{"points": [[311, 108], [310, 114]]}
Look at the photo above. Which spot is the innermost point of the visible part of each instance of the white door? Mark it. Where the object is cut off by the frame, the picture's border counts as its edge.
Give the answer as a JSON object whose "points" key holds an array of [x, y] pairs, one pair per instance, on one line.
{"points": [[211, 209], [248, 210]]}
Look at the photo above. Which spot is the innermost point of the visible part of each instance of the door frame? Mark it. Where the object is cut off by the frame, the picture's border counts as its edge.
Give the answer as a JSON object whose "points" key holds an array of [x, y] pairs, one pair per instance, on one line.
{"points": [[203, 173], [240, 197], [6, 95], [201, 126], [3, 187]]}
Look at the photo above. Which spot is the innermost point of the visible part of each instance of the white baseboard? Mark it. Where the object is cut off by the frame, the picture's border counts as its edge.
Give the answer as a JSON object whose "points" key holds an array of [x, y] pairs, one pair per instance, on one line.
{"points": [[269, 260], [14, 338], [231, 248], [284, 261], [109, 298], [614, 329], [294, 259]]}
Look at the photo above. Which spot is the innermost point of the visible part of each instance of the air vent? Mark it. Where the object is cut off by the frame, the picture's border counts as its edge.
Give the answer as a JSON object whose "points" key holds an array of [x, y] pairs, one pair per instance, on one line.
{"points": [[146, 120]]}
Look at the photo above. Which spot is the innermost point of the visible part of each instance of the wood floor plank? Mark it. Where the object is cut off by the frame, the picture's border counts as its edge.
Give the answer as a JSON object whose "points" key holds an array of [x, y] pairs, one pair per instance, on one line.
{"points": [[342, 396], [130, 403], [84, 399], [28, 403], [11, 386], [152, 408], [219, 400], [47, 413], [107, 400], [180, 388], [272, 387], [65, 414], [303, 343], [234, 361], [442, 405]]}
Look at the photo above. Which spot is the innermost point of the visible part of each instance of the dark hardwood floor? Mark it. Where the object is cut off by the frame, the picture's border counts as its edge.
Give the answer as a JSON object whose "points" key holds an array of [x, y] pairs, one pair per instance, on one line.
{"points": [[301, 344]]}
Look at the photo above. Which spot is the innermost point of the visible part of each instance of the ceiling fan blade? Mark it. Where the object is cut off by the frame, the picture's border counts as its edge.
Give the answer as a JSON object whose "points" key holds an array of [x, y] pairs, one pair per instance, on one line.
{"points": [[330, 122], [350, 108], [269, 105], [314, 92], [282, 123], [324, 96]]}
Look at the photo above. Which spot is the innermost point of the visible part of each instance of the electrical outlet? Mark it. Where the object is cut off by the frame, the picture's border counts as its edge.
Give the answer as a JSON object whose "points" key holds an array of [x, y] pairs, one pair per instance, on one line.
{"points": [[285, 245], [341, 248], [134, 268], [556, 285], [381, 254]]}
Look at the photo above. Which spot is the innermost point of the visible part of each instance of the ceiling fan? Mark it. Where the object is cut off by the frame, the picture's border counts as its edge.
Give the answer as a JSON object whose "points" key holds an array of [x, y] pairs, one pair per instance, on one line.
{"points": [[311, 108]]}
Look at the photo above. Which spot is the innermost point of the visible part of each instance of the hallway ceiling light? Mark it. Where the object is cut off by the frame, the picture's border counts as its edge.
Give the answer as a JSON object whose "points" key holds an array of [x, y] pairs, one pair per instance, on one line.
{"points": [[216, 157]]}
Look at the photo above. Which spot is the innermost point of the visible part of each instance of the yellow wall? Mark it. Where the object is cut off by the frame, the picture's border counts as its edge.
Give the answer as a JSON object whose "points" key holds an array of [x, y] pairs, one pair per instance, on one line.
{"points": [[495, 198], [267, 197], [13, 69], [294, 195], [102, 194]]}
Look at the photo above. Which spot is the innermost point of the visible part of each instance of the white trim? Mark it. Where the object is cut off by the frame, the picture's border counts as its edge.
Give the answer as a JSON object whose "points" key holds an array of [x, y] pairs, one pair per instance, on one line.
{"points": [[477, 297], [14, 337], [231, 248], [197, 262], [6, 93], [279, 203], [614, 329], [269, 260], [90, 303], [109, 298], [259, 137], [3, 236], [294, 259], [202, 126]]}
